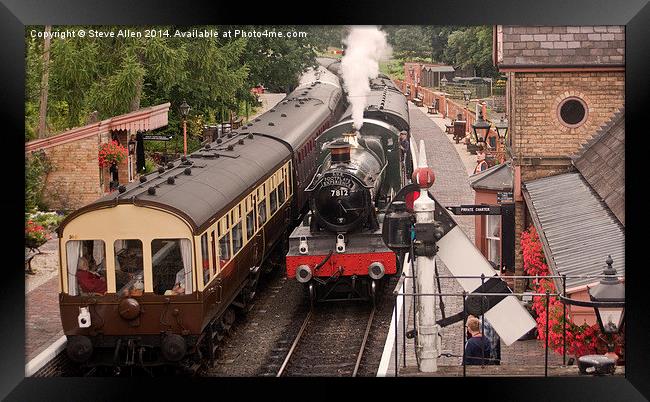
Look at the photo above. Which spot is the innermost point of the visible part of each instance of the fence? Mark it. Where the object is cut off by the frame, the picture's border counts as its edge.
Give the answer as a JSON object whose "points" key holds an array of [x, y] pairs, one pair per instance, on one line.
{"points": [[402, 291], [447, 107]]}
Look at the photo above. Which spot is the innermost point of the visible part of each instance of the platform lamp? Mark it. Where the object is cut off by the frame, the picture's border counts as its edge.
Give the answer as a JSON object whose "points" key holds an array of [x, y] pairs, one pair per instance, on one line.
{"points": [[608, 301], [131, 146], [185, 110], [481, 129], [467, 95], [502, 128]]}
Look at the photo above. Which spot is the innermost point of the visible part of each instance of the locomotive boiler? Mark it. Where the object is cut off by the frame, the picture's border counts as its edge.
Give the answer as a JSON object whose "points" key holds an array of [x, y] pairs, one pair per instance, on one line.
{"points": [[338, 252]]}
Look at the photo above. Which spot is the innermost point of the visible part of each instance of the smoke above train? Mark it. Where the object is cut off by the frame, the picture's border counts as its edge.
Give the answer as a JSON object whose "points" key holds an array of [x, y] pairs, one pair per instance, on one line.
{"points": [[365, 47]]}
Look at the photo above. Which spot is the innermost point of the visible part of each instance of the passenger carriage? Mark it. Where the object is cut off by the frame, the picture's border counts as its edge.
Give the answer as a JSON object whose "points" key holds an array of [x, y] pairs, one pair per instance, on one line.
{"points": [[181, 248]]}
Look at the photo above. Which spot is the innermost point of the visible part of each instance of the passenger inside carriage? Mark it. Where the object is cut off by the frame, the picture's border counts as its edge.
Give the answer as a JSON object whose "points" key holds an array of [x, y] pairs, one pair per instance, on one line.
{"points": [[168, 255], [89, 282]]}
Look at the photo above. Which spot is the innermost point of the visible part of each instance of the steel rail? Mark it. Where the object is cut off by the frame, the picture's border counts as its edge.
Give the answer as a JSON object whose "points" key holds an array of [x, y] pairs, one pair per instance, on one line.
{"points": [[363, 344], [295, 343]]}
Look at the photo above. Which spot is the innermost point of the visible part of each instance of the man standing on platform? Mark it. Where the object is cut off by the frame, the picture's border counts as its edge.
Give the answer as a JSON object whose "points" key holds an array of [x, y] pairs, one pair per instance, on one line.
{"points": [[477, 347]]}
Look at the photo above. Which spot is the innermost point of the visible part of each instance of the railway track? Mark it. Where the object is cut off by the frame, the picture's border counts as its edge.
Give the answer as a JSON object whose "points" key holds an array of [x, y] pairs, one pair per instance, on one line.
{"points": [[330, 342]]}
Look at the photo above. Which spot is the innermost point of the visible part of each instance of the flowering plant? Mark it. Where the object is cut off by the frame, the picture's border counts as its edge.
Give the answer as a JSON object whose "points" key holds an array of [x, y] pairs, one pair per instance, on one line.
{"points": [[580, 339], [35, 235], [111, 153]]}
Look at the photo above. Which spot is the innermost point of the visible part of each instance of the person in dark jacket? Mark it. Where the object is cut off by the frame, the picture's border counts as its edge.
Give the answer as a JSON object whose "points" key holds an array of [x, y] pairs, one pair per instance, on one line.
{"points": [[477, 347]]}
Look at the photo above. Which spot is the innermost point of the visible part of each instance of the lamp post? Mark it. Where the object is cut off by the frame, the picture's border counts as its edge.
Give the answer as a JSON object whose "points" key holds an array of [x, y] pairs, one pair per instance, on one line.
{"points": [[502, 129], [185, 110], [467, 94], [481, 129], [608, 301]]}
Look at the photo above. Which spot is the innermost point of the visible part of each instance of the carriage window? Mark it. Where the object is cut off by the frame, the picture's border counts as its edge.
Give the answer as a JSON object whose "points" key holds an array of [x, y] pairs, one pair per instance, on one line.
{"points": [[171, 266], [224, 249], [205, 256], [274, 202], [250, 225], [237, 238], [129, 277], [281, 193], [261, 211], [86, 267], [215, 262]]}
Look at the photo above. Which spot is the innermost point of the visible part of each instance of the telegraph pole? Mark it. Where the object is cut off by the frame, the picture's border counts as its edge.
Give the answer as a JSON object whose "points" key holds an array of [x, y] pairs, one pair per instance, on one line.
{"points": [[424, 207]]}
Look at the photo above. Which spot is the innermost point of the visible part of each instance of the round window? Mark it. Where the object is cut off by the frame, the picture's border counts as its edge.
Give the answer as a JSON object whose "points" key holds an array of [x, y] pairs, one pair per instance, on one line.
{"points": [[572, 112]]}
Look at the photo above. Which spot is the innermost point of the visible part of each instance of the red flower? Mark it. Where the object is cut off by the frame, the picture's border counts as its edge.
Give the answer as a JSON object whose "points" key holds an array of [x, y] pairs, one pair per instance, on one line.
{"points": [[580, 340], [111, 153]]}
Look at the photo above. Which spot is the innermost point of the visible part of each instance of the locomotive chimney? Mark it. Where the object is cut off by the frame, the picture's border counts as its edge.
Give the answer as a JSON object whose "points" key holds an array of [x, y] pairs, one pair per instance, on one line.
{"points": [[340, 151]]}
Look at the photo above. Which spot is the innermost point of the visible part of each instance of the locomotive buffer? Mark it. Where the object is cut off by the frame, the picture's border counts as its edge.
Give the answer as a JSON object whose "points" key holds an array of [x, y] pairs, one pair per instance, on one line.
{"points": [[436, 233]]}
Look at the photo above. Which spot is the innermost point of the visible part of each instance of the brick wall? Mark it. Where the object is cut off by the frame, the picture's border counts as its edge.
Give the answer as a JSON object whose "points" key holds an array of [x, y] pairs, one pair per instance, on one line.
{"points": [[563, 45], [537, 129], [74, 180]]}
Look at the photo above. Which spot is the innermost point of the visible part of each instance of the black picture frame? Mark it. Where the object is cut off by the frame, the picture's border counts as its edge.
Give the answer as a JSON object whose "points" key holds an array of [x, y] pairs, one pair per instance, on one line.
{"points": [[16, 14]]}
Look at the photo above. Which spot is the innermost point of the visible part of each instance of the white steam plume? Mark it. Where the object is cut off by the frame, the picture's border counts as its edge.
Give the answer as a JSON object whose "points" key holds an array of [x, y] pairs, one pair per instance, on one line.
{"points": [[365, 46]]}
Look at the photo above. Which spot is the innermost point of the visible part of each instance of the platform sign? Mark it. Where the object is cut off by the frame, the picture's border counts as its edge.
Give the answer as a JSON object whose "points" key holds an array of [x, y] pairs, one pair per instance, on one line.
{"points": [[466, 262], [504, 197], [476, 210], [154, 137]]}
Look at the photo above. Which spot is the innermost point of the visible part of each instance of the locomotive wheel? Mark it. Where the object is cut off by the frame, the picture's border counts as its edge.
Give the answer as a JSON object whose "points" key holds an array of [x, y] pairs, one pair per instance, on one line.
{"points": [[228, 319]]}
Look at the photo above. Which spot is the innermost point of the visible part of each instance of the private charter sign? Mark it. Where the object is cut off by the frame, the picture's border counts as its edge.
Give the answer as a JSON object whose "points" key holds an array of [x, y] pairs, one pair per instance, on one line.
{"points": [[166, 33]]}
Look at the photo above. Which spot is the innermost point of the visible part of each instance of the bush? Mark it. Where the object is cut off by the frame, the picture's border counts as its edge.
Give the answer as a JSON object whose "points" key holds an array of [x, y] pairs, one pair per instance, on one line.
{"points": [[149, 166], [48, 220], [580, 339], [37, 166], [35, 235]]}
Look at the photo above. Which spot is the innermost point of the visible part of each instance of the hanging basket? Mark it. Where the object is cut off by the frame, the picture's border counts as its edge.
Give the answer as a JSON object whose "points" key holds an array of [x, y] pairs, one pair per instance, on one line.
{"points": [[111, 153]]}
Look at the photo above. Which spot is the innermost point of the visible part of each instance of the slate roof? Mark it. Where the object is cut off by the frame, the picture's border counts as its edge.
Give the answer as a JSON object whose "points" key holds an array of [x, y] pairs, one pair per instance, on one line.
{"points": [[496, 178], [577, 229], [601, 162]]}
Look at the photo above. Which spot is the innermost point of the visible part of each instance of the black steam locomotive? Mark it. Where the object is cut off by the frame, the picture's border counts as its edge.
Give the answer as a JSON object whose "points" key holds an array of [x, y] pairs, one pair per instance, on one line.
{"points": [[338, 252]]}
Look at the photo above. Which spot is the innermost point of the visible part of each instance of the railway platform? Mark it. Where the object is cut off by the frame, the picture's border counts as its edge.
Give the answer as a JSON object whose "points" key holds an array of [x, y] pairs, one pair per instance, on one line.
{"points": [[452, 166], [43, 330]]}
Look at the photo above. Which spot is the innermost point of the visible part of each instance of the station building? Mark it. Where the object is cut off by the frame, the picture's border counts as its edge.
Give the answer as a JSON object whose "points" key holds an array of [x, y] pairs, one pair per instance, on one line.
{"points": [[566, 135], [76, 178], [426, 74]]}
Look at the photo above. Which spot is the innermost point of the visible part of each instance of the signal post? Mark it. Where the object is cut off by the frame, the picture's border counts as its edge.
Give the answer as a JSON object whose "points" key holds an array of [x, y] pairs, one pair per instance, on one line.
{"points": [[426, 228]]}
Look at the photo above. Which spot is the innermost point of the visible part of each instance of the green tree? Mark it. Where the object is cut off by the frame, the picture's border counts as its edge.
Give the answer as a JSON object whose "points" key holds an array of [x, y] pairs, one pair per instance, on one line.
{"points": [[409, 42], [471, 48], [276, 62]]}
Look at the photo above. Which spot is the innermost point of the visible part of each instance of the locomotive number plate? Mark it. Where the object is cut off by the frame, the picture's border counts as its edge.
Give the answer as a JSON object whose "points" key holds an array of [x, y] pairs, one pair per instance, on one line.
{"points": [[339, 192]]}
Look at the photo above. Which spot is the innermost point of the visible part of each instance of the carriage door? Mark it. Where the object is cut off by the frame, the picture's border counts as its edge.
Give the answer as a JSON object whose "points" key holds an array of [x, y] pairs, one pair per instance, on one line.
{"points": [[257, 234]]}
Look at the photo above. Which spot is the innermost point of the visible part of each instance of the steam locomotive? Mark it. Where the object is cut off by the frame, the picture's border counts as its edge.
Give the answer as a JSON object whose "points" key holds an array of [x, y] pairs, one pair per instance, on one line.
{"points": [[174, 255], [338, 252]]}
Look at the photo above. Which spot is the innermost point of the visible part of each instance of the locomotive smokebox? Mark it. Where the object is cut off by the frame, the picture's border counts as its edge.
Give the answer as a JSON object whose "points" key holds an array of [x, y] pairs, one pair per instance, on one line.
{"points": [[340, 151]]}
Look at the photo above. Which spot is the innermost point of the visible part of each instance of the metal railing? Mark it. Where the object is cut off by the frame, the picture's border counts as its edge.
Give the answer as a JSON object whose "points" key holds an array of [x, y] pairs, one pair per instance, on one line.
{"points": [[414, 295]]}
